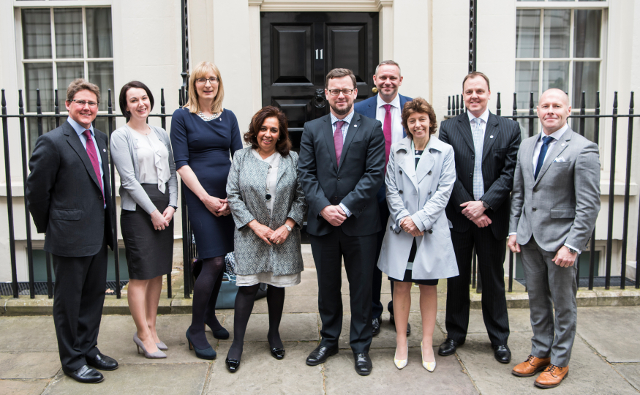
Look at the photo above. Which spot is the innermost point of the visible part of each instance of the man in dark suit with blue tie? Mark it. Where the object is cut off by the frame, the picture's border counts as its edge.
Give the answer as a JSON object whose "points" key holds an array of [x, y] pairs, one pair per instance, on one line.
{"points": [[341, 168], [486, 148], [69, 197], [386, 107]]}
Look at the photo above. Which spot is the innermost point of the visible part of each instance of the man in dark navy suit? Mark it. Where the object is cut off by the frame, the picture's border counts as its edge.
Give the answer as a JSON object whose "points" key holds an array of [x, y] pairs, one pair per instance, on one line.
{"points": [[485, 147], [69, 197], [386, 107]]}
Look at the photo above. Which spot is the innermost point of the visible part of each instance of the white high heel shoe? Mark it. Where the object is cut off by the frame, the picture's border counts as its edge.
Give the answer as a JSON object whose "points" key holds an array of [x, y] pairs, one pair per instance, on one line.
{"points": [[430, 366], [401, 363]]}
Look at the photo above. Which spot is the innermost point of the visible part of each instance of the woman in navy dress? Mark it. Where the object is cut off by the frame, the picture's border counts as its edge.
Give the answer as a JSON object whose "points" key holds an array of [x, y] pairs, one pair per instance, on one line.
{"points": [[203, 136]]}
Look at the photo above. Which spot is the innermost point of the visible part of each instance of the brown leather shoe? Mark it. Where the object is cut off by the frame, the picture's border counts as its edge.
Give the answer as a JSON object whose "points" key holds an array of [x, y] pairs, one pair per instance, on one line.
{"points": [[531, 366], [552, 376]]}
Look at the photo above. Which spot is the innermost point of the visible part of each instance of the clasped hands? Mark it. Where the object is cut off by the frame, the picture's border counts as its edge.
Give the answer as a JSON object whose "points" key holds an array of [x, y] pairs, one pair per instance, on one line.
{"points": [[333, 215], [474, 211], [217, 207], [161, 221], [410, 227], [267, 234], [563, 257]]}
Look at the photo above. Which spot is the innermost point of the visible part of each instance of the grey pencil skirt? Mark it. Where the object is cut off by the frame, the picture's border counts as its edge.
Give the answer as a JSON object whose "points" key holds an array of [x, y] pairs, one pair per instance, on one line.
{"points": [[149, 252]]}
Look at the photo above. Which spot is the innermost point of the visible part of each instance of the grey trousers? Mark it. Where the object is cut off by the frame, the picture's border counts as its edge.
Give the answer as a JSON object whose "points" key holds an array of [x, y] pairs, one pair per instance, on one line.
{"points": [[549, 286]]}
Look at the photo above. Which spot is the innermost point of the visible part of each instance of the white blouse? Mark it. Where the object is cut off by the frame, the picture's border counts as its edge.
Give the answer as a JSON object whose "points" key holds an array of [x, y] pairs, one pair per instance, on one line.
{"points": [[153, 159]]}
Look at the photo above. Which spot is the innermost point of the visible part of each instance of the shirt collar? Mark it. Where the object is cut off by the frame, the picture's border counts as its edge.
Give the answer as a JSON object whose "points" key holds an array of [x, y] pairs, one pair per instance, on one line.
{"points": [[78, 128], [557, 134], [346, 119], [394, 103], [484, 116], [431, 144]]}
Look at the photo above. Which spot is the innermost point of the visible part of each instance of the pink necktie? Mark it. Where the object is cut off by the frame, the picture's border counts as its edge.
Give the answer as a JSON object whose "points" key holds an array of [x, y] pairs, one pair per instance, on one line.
{"points": [[93, 157], [386, 129], [337, 140]]}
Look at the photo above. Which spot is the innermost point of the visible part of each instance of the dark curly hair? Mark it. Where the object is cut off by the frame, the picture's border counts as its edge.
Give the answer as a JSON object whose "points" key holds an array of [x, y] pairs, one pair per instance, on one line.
{"points": [[422, 106], [283, 146]]}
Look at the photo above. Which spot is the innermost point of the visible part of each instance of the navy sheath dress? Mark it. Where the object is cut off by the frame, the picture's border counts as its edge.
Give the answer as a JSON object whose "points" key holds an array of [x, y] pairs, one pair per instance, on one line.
{"points": [[205, 147]]}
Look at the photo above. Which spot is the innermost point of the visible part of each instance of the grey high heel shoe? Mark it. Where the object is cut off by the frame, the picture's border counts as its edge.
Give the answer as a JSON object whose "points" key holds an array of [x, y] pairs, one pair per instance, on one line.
{"points": [[154, 355], [162, 346]]}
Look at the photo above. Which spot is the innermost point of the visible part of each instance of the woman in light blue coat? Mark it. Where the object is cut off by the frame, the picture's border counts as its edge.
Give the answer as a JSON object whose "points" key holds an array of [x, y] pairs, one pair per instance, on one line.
{"points": [[417, 246]]}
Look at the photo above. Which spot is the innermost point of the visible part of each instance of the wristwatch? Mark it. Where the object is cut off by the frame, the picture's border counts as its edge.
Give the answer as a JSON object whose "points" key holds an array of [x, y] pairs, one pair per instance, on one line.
{"points": [[288, 227], [485, 205], [174, 207], [571, 250]]}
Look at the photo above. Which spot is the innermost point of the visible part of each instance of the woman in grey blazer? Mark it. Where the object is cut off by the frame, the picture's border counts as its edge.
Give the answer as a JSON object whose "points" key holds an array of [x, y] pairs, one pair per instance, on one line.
{"points": [[417, 247], [149, 197], [267, 204]]}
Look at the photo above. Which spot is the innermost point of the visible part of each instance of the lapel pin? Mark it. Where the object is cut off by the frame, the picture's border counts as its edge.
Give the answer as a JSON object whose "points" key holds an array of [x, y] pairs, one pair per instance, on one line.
{"points": [[355, 126], [491, 136], [104, 150]]}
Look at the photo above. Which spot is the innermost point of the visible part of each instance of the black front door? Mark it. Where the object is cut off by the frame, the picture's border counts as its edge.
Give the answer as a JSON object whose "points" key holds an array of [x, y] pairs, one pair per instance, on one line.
{"points": [[300, 48]]}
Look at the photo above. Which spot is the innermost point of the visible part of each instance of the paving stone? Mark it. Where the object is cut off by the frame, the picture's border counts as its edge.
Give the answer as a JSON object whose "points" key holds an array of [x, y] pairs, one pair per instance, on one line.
{"points": [[293, 327], [261, 373], [23, 387], [21, 334], [116, 339], [588, 373], [596, 324], [448, 378], [631, 372], [154, 379], [519, 321], [29, 365]]}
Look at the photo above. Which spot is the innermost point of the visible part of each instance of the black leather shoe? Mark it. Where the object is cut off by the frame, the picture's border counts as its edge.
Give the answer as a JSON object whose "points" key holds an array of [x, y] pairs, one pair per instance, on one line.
{"points": [[232, 365], [362, 363], [392, 321], [102, 362], [277, 353], [502, 353], [320, 355], [86, 375], [448, 347], [376, 326]]}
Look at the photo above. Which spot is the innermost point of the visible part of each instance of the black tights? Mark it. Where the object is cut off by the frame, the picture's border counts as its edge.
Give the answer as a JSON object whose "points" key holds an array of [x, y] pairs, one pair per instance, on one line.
{"points": [[243, 307], [205, 294]]}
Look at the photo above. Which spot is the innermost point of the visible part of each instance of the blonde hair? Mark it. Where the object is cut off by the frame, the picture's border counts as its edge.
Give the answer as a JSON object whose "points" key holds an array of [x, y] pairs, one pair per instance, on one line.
{"points": [[201, 70]]}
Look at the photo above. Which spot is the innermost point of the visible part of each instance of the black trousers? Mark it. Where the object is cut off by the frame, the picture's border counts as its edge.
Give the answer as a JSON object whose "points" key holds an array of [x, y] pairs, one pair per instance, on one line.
{"points": [[359, 254], [491, 254], [77, 306]]}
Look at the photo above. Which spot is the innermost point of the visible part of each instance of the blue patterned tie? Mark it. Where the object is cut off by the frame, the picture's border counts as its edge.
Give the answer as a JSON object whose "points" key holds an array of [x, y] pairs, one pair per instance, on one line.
{"points": [[546, 140]]}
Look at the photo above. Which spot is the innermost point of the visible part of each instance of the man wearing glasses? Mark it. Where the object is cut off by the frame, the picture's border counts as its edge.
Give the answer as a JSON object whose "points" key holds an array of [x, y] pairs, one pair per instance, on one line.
{"points": [[69, 197], [341, 168]]}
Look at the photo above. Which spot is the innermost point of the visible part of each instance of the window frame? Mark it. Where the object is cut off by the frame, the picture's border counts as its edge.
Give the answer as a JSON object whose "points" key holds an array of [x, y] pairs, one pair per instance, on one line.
{"points": [[571, 5], [52, 5]]}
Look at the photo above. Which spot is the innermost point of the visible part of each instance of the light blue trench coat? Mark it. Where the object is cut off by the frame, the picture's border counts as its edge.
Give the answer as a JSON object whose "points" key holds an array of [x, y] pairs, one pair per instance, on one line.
{"points": [[422, 193]]}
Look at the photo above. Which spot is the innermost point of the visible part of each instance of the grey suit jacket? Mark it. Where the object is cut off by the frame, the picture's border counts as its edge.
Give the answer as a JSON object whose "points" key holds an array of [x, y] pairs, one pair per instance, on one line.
{"points": [[246, 186], [64, 197], [354, 183], [562, 204], [125, 157]]}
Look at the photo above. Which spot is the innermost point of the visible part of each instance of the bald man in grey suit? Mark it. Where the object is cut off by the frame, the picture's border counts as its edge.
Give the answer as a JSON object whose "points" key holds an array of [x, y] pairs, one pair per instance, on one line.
{"points": [[555, 203]]}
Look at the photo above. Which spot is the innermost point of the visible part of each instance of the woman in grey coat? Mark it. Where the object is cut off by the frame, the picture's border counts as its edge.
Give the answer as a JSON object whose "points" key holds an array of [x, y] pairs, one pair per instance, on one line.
{"points": [[149, 197], [417, 246], [267, 204]]}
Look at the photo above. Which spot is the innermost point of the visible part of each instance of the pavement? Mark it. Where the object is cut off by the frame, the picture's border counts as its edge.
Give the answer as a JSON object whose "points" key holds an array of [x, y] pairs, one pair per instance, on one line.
{"points": [[605, 358]]}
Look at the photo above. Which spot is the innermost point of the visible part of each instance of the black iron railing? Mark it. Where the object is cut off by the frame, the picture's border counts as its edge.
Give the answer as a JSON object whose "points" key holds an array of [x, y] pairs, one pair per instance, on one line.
{"points": [[189, 250], [580, 124]]}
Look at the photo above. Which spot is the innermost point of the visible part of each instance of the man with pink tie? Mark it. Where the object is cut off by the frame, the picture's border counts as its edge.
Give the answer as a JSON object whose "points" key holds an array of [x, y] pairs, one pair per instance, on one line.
{"points": [[386, 107]]}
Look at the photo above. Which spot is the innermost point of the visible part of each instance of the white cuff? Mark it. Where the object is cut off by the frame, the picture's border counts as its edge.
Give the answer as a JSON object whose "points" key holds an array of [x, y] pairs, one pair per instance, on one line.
{"points": [[345, 209]]}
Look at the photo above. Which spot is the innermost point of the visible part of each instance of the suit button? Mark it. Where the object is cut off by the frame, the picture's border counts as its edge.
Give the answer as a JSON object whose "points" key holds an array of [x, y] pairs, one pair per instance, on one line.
{"points": [[534, 209], [400, 191], [338, 178], [430, 231], [429, 173], [390, 227], [473, 156], [400, 171], [429, 192]]}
